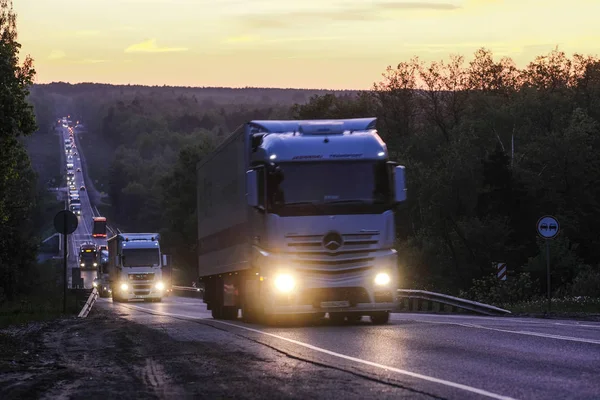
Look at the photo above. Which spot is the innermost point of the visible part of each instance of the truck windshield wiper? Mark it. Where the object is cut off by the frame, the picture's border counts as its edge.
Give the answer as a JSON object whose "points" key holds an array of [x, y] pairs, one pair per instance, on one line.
{"points": [[300, 203], [348, 202]]}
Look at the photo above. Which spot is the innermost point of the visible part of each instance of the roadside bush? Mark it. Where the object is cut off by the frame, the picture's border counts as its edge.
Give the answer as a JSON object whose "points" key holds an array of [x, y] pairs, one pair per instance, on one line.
{"points": [[587, 282], [490, 290]]}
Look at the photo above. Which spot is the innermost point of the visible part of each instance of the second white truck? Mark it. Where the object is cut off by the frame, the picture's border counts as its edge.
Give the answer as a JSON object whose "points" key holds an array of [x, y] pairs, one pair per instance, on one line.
{"points": [[135, 267]]}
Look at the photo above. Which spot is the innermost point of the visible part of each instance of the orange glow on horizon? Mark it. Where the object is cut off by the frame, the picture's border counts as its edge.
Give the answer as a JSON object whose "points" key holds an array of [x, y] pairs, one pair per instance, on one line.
{"points": [[301, 44]]}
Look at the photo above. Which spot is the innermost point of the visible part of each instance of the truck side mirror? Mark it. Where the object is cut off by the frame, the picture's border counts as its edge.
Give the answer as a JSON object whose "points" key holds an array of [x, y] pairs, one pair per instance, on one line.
{"points": [[164, 260], [400, 182], [252, 188]]}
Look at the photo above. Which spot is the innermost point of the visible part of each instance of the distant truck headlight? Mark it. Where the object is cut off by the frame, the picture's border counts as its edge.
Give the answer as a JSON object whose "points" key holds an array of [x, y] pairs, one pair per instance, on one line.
{"points": [[285, 283], [382, 279], [82, 264], [95, 264], [160, 286], [124, 286]]}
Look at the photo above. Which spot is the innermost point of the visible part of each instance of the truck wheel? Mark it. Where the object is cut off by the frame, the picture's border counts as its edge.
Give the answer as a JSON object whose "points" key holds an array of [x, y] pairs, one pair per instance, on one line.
{"points": [[216, 312], [337, 318], [380, 318], [354, 317], [229, 312]]}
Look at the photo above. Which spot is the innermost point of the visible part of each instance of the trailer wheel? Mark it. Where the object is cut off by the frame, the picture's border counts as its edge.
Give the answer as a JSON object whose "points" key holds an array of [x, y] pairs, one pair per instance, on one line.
{"points": [[354, 317], [216, 311], [380, 318], [337, 318], [229, 312]]}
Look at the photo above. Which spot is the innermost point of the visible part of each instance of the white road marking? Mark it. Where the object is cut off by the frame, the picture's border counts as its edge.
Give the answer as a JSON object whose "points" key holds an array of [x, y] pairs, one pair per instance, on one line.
{"points": [[411, 317], [427, 378], [527, 333]]}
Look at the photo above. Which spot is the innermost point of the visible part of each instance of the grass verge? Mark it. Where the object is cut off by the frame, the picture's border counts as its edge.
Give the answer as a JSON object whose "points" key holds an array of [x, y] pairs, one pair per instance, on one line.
{"points": [[561, 307], [43, 300]]}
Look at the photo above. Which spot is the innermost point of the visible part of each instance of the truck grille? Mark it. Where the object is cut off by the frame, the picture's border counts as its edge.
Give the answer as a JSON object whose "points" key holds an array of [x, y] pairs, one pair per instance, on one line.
{"points": [[141, 277], [142, 287], [309, 253]]}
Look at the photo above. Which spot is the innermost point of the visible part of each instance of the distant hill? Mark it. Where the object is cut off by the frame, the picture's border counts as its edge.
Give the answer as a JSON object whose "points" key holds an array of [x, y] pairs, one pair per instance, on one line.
{"points": [[218, 95]]}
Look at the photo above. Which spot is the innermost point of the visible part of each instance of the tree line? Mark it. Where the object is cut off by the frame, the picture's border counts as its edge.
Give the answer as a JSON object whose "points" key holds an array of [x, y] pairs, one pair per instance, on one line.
{"points": [[489, 148]]}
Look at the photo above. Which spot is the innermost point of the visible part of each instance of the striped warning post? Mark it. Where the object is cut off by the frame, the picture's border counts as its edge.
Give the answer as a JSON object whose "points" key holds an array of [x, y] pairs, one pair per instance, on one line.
{"points": [[501, 271]]}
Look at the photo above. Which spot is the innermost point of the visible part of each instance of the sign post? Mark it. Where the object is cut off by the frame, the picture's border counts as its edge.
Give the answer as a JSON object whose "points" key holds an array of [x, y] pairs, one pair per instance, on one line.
{"points": [[548, 228], [65, 222]]}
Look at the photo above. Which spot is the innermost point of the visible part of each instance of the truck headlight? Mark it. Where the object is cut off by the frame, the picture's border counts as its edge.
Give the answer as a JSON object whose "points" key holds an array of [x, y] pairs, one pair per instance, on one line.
{"points": [[124, 287], [82, 264], [382, 279], [285, 283], [95, 264], [160, 286]]}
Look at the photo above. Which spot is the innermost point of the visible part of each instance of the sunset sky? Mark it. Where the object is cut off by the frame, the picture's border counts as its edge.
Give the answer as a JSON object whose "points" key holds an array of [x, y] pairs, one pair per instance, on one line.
{"points": [[285, 43]]}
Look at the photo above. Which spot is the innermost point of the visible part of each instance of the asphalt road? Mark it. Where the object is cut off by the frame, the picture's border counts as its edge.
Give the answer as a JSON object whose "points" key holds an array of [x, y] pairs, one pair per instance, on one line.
{"points": [[84, 229], [415, 356], [442, 356]]}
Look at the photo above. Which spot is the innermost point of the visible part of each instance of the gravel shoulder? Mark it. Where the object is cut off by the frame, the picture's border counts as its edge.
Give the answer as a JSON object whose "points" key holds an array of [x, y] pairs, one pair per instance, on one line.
{"points": [[108, 356]]}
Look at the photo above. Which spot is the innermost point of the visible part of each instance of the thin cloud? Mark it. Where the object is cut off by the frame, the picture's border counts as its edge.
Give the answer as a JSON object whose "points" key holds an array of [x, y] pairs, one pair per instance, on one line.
{"points": [[306, 39], [87, 33], [91, 61], [242, 39], [56, 55], [150, 46], [372, 12]]}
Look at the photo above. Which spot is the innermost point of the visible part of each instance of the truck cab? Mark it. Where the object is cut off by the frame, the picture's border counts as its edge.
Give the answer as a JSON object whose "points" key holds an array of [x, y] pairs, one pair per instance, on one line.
{"points": [[88, 256], [135, 267]]}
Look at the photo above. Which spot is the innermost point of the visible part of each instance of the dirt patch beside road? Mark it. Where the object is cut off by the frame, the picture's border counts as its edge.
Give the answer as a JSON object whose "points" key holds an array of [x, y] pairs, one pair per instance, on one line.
{"points": [[108, 356]]}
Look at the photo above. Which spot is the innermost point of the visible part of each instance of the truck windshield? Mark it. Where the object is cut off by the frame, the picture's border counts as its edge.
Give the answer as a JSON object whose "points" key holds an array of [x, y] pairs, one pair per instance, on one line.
{"points": [[140, 257], [88, 256], [365, 182]]}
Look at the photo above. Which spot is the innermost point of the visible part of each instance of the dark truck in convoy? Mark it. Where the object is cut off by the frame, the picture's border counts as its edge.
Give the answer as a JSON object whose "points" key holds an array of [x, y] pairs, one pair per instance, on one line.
{"points": [[88, 256], [297, 217], [101, 283]]}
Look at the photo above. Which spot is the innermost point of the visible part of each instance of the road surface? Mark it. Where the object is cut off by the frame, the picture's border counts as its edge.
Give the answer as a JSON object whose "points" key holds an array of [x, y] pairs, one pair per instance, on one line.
{"points": [[440, 356], [84, 230], [415, 356]]}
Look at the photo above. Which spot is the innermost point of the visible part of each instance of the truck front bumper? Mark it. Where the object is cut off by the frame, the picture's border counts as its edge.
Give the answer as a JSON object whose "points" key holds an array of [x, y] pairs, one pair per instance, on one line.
{"points": [[314, 295]]}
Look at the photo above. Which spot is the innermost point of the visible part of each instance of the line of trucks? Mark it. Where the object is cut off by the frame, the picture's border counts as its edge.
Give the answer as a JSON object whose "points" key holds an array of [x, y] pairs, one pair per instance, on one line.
{"points": [[294, 218]]}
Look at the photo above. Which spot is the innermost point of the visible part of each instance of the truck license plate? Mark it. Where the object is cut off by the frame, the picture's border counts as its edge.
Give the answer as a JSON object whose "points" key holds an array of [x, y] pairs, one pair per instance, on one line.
{"points": [[336, 304]]}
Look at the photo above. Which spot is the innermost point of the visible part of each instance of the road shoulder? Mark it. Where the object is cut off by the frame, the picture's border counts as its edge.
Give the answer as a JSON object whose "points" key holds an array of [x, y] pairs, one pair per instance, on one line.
{"points": [[109, 356]]}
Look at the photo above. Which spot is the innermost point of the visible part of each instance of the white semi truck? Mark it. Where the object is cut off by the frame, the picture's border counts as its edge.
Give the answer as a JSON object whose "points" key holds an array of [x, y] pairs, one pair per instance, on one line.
{"points": [[135, 267], [297, 217]]}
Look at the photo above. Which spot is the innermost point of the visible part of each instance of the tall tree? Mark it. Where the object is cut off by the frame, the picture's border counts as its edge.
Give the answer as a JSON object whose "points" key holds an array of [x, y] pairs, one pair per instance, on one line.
{"points": [[17, 180]]}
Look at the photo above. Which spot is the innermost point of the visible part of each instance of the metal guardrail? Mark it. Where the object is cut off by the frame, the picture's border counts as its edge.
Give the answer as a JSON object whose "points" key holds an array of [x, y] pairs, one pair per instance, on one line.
{"points": [[445, 300], [187, 291], [418, 296], [87, 307]]}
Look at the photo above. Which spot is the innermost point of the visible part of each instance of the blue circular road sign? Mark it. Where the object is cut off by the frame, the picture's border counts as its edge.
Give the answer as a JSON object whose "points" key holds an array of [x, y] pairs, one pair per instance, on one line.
{"points": [[548, 227]]}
